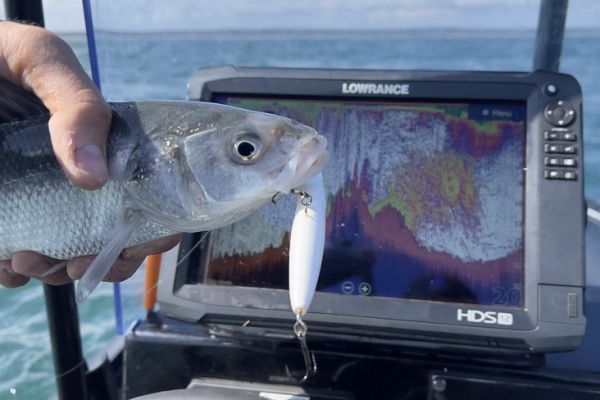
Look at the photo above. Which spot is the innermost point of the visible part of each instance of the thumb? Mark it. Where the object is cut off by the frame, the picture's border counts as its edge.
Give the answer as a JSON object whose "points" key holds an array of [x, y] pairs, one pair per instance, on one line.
{"points": [[78, 135], [80, 118]]}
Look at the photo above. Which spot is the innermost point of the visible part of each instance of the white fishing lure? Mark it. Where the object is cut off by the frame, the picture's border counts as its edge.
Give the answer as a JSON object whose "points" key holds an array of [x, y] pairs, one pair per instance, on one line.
{"points": [[307, 243]]}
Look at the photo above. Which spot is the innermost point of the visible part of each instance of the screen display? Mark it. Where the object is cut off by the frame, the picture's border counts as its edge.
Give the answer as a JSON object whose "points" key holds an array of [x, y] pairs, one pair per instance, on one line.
{"points": [[425, 201]]}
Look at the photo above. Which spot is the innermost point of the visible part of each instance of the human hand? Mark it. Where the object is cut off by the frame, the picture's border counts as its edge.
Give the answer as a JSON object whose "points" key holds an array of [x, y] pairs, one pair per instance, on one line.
{"points": [[44, 64]]}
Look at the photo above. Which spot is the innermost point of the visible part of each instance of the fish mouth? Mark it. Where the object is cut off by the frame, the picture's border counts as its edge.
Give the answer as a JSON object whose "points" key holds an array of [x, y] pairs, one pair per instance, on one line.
{"points": [[313, 157], [310, 159]]}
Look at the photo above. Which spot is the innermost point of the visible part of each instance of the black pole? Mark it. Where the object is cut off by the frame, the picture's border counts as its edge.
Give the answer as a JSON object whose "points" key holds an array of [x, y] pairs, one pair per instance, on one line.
{"points": [[63, 325], [61, 308], [549, 40], [25, 10]]}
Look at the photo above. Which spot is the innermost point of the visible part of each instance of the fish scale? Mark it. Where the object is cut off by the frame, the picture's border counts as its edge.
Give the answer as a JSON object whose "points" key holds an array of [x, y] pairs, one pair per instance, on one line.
{"points": [[43, 211]]}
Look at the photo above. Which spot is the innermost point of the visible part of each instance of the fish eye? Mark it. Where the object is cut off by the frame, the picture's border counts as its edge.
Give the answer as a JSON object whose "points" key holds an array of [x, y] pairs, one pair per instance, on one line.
{"points": [[246, 148]]}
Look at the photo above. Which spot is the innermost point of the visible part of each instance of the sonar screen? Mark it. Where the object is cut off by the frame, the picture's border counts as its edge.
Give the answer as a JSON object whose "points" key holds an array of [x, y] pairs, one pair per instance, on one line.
{"points": [[424, 202], [455, 211]]}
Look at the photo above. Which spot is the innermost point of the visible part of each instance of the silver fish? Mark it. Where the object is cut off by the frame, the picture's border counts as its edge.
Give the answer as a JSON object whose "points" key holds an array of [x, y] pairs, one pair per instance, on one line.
{"points": [[174, 167]]}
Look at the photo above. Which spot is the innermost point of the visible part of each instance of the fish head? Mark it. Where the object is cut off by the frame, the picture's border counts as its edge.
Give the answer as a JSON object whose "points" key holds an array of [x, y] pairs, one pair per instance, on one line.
{"points": [[230, 162], [248, 159]]}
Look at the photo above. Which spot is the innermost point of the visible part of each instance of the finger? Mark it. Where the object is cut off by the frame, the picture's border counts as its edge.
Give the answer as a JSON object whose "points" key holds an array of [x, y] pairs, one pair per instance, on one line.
{"points": [[77, 266], [9, 278], [121, 269], [154, 247], [35, 265], [127, 263], [43, 63]]}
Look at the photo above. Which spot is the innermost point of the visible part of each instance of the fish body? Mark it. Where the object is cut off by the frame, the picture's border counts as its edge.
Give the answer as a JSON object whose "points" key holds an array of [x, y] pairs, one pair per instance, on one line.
{"points": [[173, 167], [42, 211]]}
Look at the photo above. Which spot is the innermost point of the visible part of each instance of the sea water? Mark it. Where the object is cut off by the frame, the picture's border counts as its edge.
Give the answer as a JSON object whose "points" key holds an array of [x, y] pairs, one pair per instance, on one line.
{"points": [[158, 66]]}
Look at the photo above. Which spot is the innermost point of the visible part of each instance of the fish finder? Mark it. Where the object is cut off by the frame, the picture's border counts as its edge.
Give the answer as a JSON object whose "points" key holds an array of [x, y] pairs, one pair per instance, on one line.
{"points": [[455, 212]]}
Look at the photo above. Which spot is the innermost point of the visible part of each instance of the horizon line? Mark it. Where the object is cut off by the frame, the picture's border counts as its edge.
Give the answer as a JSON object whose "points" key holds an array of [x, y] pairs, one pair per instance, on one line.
{"points": [[323, 30]]}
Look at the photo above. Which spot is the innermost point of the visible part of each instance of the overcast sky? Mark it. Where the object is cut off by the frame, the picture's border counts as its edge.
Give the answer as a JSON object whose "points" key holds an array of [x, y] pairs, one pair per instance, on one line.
{"points": [[199, 15]]}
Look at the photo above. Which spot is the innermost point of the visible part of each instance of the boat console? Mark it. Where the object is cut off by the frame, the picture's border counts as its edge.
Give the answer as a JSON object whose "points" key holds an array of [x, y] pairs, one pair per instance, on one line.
{"points": [[454, 256]]}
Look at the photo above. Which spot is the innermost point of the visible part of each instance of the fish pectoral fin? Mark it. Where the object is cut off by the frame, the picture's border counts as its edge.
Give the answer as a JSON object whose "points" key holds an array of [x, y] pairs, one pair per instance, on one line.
{"points": [[101, 265]]}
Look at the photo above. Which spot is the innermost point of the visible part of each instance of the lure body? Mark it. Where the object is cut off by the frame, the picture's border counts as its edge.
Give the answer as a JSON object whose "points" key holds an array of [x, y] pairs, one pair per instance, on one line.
{"points": [[307, 243]]}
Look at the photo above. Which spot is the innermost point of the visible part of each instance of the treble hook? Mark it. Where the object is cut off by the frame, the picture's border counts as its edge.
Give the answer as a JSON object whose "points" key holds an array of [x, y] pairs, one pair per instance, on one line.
{"points": [[310, 362]]}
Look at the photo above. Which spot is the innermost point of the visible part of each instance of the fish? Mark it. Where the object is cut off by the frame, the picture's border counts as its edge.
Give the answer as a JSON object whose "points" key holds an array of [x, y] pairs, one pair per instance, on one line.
{"points": [[174, 166]]}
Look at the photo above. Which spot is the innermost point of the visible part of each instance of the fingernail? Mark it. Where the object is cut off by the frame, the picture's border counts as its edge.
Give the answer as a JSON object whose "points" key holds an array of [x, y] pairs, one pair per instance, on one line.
{"points": [[90, 159]]}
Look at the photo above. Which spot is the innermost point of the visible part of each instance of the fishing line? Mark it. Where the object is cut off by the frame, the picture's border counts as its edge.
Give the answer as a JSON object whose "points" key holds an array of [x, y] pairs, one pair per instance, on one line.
{"points": [[78, 365], [204, 235], [187, 254]]}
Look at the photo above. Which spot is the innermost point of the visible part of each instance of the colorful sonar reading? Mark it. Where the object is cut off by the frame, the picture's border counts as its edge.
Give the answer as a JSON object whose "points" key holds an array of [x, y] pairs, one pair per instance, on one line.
{"points": [[425, 201]]}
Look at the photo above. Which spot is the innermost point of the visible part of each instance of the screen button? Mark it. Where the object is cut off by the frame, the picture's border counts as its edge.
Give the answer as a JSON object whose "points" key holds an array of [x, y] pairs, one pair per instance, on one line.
{"points": [[552, 148], [569, 149], [551, 89], [364, 289], [551, 161], [570, 176], [551, 174], [549, 135], [560, 113], [348, 287]]}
